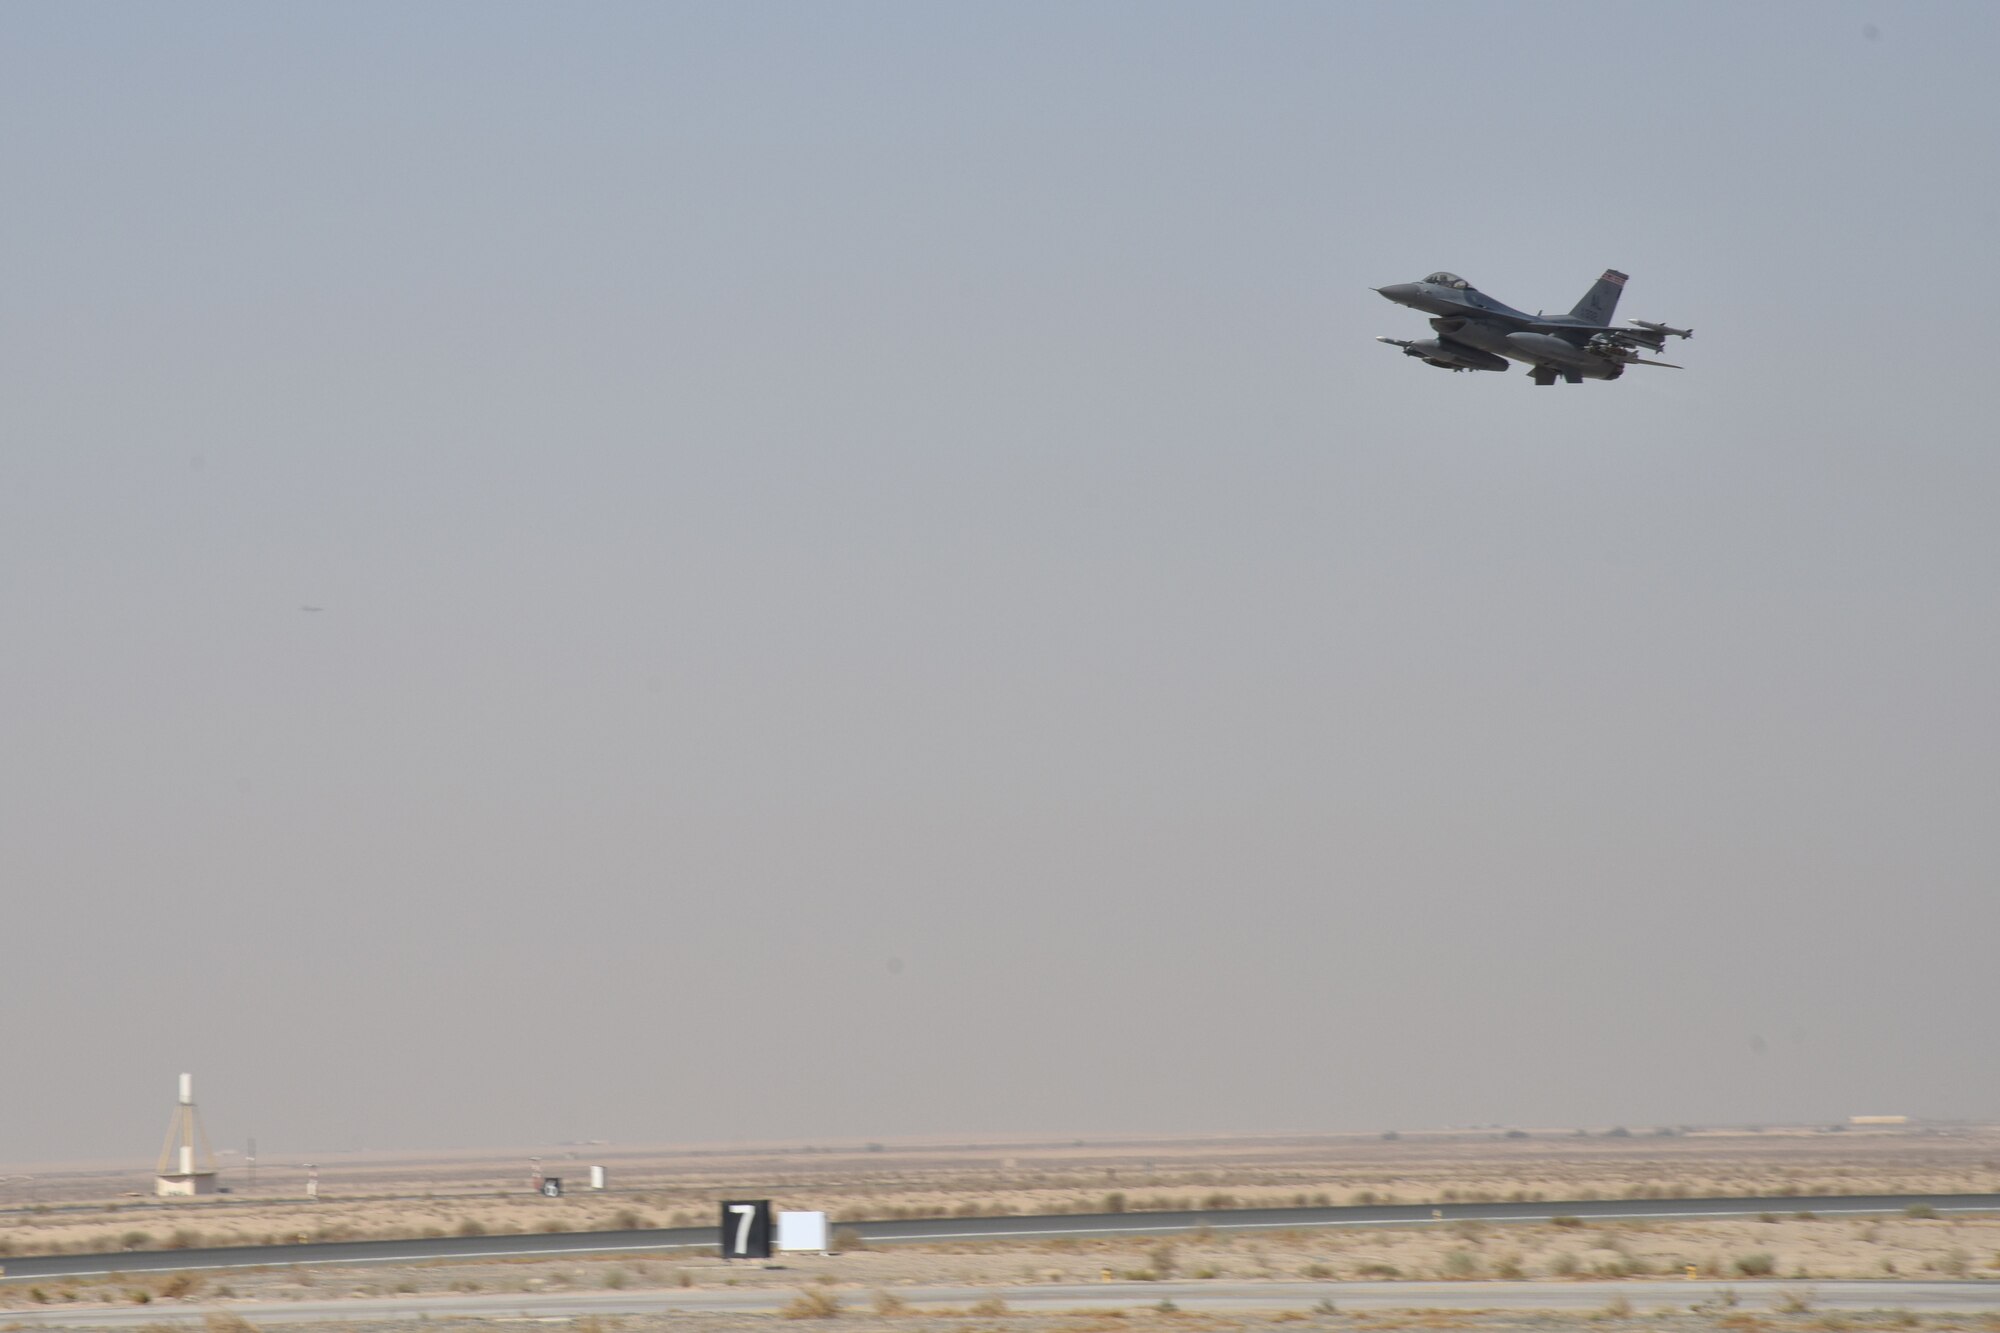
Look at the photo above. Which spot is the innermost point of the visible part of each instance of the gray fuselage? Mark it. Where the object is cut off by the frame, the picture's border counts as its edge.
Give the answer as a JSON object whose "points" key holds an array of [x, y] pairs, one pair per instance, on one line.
{"points": [[1466, 316]]}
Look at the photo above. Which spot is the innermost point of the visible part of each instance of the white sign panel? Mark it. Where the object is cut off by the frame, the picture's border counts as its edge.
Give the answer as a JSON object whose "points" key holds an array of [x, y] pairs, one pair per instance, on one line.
{"points": [[802, 1232]]}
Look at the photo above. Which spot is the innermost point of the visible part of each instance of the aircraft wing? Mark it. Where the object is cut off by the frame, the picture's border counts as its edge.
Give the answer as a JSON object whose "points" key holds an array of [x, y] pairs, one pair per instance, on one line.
{"points": [[1650, 335], [1563, 326], [1611, 338]]}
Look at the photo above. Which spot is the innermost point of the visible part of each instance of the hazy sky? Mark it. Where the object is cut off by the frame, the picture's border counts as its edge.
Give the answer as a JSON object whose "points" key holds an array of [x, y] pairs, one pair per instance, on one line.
{"points": [[751, 570]]}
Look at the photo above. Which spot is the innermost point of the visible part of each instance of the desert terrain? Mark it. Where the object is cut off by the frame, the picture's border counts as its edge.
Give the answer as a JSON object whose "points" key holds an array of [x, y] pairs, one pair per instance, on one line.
{"points": [[1774, 1259], [391, 1195]]}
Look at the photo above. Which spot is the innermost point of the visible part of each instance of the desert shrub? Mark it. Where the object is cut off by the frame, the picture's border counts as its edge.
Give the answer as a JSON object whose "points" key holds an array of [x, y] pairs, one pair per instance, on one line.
{"points": [[139, 1296], [1756, 1264], [184, 1238], [1162, 1257], [1920, 1210], [812, 1303], [223, 1321], [180, 1285], [1317, 1270], [471, 1226], [990, 1308], [135, 1240], [1113, 1202], [1793, 1302], [1617, 1308], [629, 1219], [1378, 1270], [846, 1240], [1564, 1265], [889, 1303], [617, 1279], [1461, 1264]]}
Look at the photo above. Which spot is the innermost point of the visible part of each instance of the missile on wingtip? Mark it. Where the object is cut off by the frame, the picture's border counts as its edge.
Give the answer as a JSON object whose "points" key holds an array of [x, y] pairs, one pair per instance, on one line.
{"points": [[1662, 328]]}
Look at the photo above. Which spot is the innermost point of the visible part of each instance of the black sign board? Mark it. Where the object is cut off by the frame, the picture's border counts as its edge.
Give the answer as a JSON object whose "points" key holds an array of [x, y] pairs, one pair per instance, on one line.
{"points": [[746, 1229]]}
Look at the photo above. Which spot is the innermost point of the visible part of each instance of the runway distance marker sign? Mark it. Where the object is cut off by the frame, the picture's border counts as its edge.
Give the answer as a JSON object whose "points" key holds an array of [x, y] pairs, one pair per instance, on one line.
{"points": [[746, 1229]]}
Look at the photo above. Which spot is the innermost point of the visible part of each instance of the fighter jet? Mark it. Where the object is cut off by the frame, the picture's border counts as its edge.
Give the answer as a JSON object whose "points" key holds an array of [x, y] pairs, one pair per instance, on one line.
{"points": [[1476, 332]]}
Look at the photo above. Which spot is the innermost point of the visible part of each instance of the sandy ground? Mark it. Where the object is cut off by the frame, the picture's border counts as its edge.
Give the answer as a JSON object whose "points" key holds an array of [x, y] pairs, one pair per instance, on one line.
{"points": [[391, 1195], [406, 1196], [1786, 1249]]}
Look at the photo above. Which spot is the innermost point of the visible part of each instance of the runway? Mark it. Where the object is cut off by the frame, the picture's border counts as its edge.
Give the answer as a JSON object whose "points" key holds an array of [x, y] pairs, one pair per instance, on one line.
{"points": [[916, 1230], [1966, 1297]]}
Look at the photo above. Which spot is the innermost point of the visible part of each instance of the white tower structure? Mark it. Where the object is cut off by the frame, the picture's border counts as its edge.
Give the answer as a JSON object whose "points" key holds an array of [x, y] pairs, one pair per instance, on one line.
{"points": [[187, 1165]]}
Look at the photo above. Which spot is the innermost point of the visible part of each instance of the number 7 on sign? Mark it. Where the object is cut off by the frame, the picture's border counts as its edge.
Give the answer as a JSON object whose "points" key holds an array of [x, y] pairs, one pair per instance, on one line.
{"points": [[746, 1229]]}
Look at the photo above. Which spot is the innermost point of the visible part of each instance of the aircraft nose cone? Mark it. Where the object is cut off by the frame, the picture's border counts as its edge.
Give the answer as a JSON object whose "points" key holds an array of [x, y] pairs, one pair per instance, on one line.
{"points": [[1399, 292]]}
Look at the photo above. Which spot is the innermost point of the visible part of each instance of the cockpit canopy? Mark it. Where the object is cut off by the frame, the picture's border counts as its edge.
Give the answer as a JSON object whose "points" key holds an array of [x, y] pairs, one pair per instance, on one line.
{"points": [[1444, 279]]}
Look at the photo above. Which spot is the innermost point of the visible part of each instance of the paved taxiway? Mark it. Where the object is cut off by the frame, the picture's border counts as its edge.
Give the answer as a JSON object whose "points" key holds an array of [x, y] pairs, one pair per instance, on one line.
{"points": [[1968, 1297]]}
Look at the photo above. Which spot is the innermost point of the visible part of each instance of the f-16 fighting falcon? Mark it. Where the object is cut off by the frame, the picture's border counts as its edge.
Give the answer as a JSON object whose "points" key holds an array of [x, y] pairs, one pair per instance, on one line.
{"points": [[1476, 332]]}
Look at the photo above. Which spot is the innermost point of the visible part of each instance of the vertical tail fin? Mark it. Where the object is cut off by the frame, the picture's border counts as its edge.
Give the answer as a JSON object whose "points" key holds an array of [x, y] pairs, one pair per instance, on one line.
{"points": [[1601, 300]]}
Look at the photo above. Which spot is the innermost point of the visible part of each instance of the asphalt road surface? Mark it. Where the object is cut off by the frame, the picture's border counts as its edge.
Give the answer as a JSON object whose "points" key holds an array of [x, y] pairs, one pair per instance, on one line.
{"points": [[1969, 1297], [667, 1240]]}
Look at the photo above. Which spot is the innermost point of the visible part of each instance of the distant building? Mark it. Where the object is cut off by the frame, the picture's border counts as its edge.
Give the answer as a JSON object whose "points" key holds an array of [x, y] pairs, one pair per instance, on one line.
{"points": [[1878, 1120]]}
